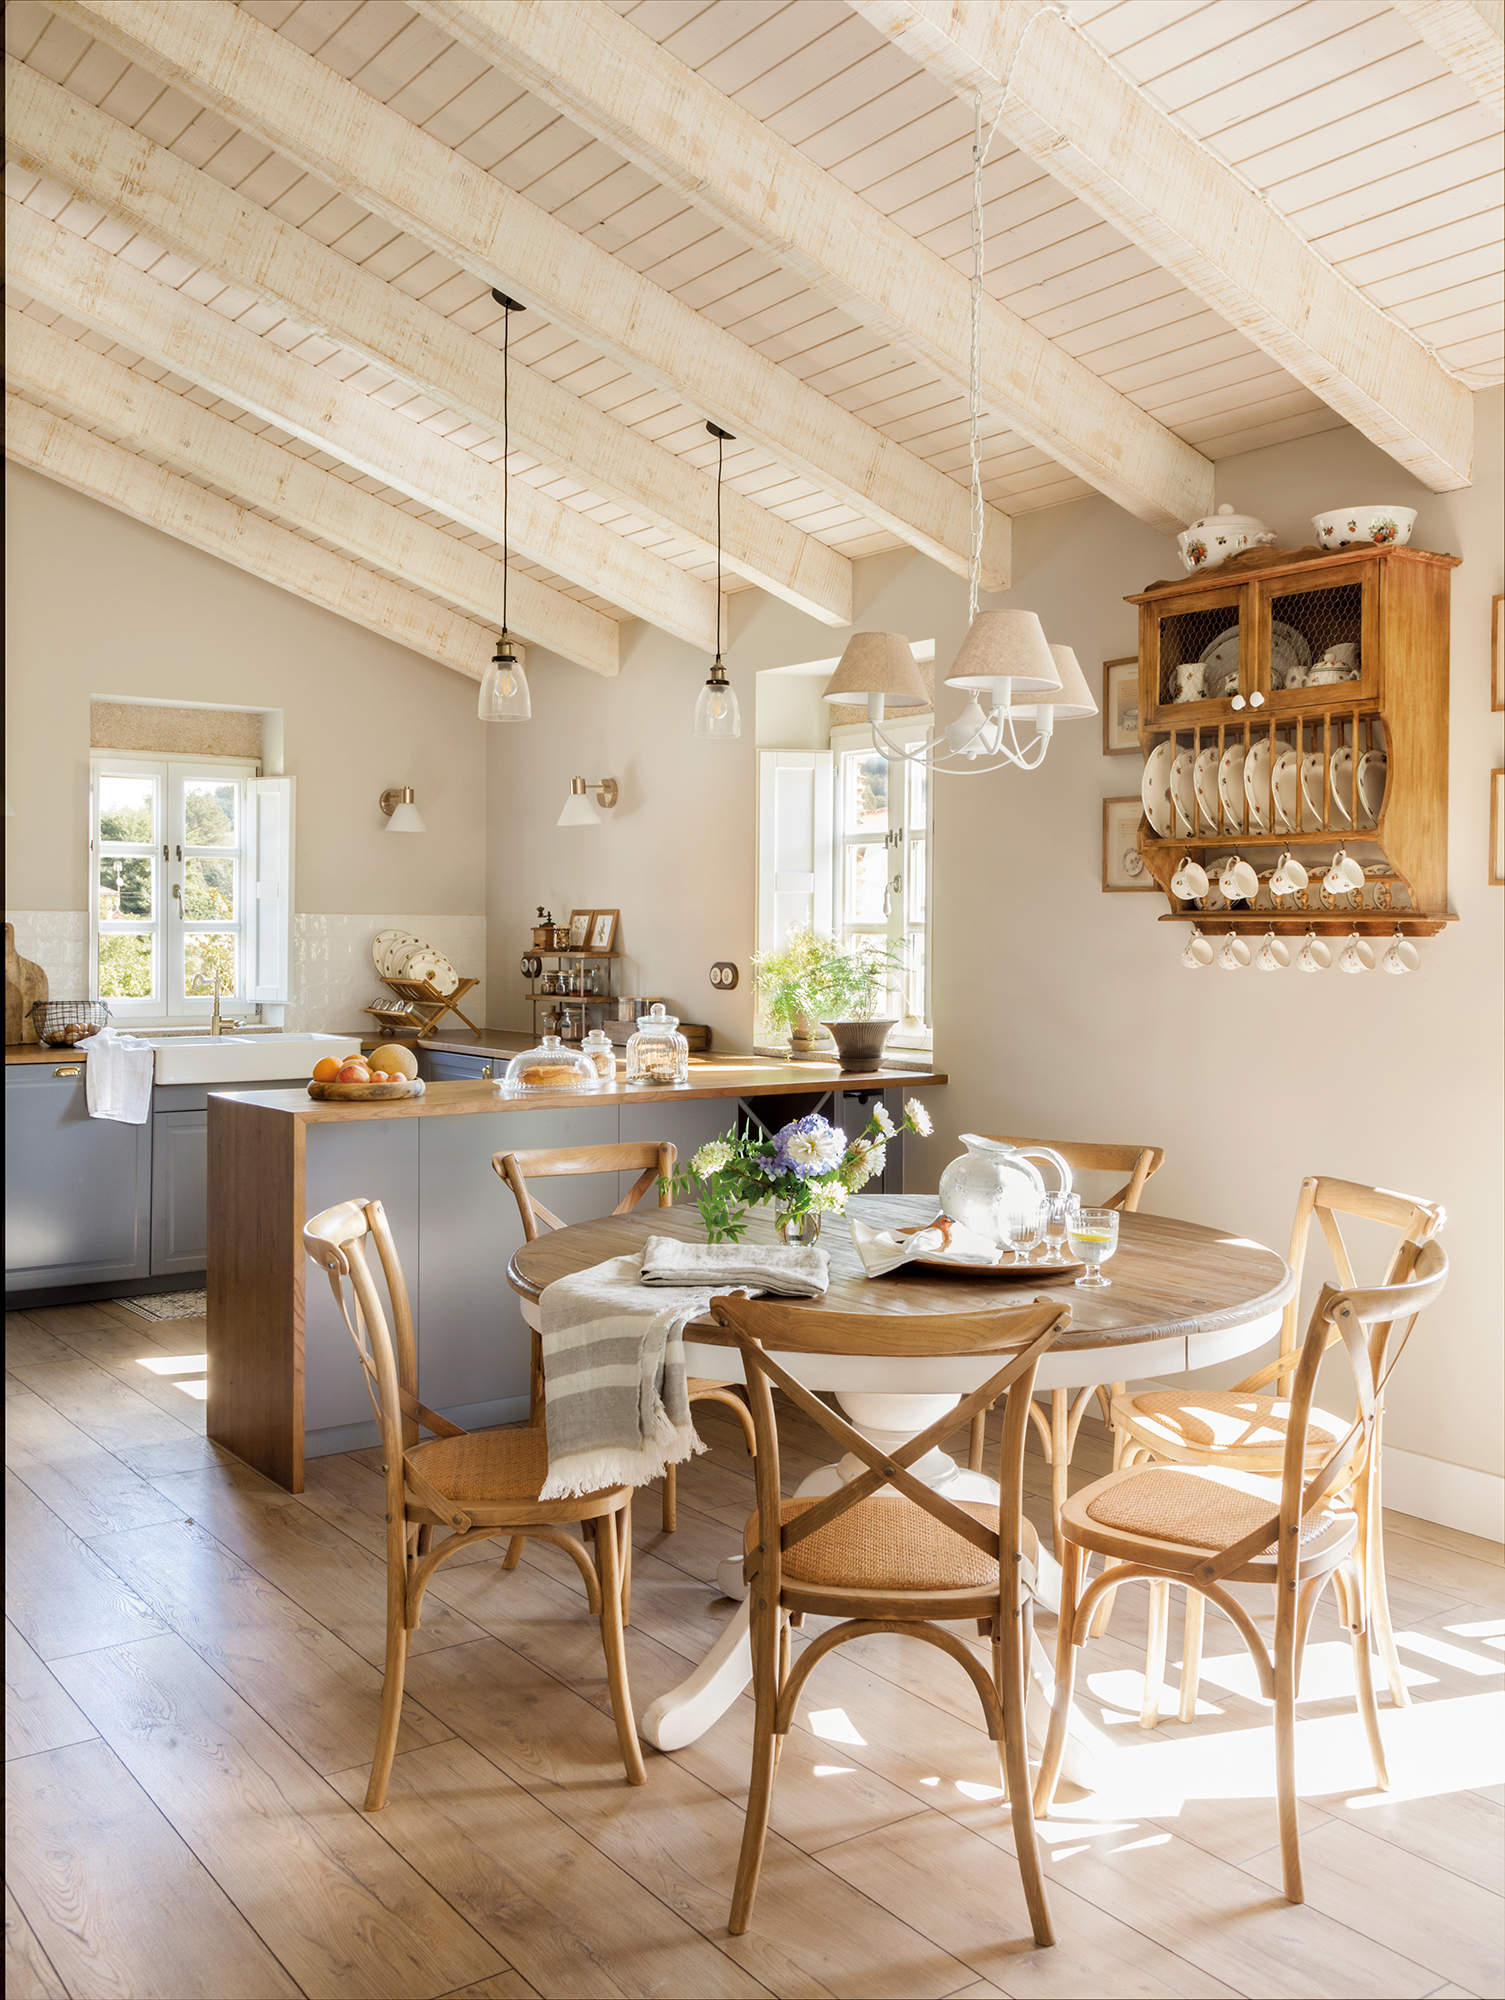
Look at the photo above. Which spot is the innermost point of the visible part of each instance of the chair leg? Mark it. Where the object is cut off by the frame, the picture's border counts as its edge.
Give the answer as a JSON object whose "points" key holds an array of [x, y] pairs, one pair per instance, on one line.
{"points": [[1154, 1653], [1016, 1771], [608, 1565], [626, 1546], [1060, 1714], [1286, 1804], [1371, 1554], [535, 1378], [1351, 1600], [1060, 1462], [765, 1665], [1122, 1456], [977, 1441], [671, 1498], [1191, 1653], [514, 1551], [391, 1688]]}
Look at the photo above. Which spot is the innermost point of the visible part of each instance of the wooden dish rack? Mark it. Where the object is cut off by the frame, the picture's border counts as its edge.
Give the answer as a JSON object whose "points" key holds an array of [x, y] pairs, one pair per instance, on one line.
{"points": [[1393, 605], [426, 1007]]}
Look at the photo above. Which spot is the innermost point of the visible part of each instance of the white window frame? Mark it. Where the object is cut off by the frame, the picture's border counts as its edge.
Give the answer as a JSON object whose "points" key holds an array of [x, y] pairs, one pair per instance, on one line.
{"points": [[912, 729], [169, 857]]}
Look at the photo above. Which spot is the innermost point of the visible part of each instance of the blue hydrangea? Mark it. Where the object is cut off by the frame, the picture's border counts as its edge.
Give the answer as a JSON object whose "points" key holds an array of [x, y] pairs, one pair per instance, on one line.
{"points": [[808, 1147]]}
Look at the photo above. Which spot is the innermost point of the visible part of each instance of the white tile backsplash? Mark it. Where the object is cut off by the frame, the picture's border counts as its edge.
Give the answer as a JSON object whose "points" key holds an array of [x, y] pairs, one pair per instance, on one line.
{"points": [[333, 978]]}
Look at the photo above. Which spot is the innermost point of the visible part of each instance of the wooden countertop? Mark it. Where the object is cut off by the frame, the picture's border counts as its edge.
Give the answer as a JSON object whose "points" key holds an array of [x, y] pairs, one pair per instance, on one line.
{"points": [[33, 1052], [710, 1076]]}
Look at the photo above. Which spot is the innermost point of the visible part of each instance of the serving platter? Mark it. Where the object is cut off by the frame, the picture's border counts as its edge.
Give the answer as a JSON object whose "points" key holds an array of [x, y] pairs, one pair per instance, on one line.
{"points": [[1005, 1273]]}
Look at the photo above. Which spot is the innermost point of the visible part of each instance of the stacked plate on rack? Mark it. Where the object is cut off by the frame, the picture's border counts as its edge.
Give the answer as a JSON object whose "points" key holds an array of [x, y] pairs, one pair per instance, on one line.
{"points": [[400, 955], [1255, 789]]}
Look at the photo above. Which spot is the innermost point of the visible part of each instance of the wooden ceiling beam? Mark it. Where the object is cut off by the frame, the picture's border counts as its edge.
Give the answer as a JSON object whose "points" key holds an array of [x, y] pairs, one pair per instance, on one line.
{"points": [[51, 367], [1071, 109], [262, 82], [112, 297], [588, 62], [1467, 36], [187, 211], [163, 499]]}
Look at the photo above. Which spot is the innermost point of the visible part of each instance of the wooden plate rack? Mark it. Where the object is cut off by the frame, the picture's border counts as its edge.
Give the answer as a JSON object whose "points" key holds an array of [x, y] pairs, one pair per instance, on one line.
{"points": [[426, 1007]]}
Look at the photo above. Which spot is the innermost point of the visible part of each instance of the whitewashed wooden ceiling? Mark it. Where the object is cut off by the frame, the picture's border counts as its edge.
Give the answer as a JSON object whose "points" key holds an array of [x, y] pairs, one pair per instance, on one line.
{"points": [[1355, 120]]}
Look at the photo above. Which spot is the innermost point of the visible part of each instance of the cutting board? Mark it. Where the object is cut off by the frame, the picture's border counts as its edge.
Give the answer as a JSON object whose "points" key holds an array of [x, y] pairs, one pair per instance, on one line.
{"points": [[25, 985]]}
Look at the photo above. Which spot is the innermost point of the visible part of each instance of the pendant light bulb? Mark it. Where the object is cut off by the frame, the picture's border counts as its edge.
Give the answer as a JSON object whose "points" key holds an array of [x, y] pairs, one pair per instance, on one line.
{"points": [[718, 713], [504, 695]]}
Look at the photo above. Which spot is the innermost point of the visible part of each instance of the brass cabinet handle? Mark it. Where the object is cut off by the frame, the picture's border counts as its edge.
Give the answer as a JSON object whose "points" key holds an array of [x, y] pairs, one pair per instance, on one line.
{"points": [[69, 1069], [486, 1072]]}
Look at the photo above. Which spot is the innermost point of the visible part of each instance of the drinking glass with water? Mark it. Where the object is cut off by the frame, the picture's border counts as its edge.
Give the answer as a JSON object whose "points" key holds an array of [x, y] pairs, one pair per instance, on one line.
{"points": [[1093, 1236], [1059, 1209]]}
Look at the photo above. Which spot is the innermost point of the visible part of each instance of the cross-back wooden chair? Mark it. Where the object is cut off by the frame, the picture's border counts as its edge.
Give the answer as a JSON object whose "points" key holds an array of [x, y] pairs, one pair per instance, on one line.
{"points": [[1058, 1432], [653, 1162], [1209, 1526], [476, 1484], [885, 1553], [1244, 1428]]}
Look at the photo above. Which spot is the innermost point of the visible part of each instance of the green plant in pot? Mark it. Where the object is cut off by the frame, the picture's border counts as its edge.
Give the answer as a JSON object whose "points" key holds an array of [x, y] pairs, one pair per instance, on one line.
{"points": [[812, 977]]}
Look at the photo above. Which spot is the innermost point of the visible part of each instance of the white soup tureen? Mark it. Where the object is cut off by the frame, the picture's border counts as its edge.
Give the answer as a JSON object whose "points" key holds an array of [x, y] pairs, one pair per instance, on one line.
{"points": [[1216, 537]]}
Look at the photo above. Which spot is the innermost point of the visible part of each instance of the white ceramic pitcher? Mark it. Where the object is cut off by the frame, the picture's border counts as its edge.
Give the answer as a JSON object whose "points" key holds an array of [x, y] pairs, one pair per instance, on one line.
{"points": [[992, 1179]]}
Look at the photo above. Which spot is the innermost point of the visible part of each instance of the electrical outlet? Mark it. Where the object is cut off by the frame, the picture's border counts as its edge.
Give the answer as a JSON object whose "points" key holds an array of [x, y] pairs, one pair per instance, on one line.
{"points": [[724, 975]]}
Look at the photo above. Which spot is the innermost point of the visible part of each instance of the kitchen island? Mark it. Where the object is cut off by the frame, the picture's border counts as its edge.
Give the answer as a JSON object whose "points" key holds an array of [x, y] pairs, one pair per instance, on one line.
{"points": [[283, 1382]]}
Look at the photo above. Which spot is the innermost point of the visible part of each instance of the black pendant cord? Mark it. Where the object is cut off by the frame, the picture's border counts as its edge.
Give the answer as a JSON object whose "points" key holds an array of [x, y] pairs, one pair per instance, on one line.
{"points": [[509, 307], [720, 450]]}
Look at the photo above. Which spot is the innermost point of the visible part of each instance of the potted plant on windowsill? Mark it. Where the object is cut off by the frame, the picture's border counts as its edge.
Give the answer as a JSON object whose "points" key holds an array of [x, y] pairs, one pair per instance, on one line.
{"points": [[811, 977]]}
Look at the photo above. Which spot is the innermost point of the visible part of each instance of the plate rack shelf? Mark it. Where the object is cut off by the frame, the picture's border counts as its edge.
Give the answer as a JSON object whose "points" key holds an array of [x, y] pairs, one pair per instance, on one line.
{"points": [[1256, 617], [424, 1006]]}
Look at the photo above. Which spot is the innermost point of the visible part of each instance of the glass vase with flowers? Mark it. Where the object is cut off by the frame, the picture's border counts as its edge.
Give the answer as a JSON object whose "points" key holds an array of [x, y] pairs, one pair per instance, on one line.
{"points": [[807, 1170]]}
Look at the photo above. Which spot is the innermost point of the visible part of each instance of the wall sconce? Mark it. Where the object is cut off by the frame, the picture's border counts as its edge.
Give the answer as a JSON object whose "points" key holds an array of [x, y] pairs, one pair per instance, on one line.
{"points": [[402, 815], [580, 807]]}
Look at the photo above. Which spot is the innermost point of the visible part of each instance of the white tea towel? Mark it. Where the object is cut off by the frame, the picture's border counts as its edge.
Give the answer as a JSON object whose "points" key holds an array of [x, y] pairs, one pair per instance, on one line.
{"points": [[884, 1250], [783, 1270], [616, 1405], [118, 1077]]}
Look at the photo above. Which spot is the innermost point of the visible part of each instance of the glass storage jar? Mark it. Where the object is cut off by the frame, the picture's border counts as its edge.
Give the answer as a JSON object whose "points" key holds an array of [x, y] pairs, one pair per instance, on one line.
{"points": [[598, 1046], [551, 1066], [658, 1053]]}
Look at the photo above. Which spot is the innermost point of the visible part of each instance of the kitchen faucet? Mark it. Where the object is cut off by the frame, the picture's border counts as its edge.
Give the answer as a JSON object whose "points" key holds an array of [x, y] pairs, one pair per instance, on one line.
{"points": [[218, 1021]]}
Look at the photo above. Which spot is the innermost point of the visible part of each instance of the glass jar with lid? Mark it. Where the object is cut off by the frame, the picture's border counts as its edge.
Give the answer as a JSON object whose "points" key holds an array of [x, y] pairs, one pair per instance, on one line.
{"points": [[549, 1067], [658, 1053], [598, 1046]]}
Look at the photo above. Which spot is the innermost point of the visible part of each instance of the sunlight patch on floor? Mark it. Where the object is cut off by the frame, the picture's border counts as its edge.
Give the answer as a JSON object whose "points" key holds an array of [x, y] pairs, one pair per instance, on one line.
{"points": [[834, 1725], [173, 1364]]}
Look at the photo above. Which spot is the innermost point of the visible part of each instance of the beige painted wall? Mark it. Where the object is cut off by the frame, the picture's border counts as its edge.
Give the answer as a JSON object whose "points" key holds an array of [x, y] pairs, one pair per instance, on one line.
{"points": [[98, 604]]}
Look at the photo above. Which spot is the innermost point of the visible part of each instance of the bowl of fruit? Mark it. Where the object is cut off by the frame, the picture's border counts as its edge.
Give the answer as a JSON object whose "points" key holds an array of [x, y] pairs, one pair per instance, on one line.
{"points": [[388, 1072]]}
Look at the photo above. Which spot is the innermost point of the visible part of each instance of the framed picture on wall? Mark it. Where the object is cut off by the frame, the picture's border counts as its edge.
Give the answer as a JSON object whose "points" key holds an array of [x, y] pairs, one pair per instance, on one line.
{"points": [[1497, 654], [604, 931], [1123, 864], [580, 929], [1497, 828], [1120, 707]]}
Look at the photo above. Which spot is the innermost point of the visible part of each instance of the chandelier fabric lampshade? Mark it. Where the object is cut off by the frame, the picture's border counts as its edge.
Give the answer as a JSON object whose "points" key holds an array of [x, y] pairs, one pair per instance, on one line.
{"points": [[881, 663], [1072, 701], [1005, 645]]}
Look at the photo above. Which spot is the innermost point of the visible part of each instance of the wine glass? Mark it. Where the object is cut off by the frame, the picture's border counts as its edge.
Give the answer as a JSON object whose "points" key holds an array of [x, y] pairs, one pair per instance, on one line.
{"points": [[1024, 1225], [1093, 1236], [1059, 1209]]}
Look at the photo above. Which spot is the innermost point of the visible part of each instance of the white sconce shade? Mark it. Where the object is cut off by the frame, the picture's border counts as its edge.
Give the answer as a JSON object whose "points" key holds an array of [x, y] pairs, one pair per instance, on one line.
{"points": [[878, 663], [402, 815], [505, 695], [1005, 646], [580, 807]]}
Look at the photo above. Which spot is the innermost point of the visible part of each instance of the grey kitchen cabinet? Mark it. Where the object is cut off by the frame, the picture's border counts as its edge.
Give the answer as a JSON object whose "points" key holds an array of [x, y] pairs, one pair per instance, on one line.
{"points": [[440, 1066], [180, 1206], [78, 1190]]}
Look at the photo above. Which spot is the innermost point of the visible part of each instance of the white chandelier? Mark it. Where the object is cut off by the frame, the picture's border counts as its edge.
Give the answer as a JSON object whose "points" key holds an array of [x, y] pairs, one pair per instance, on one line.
{"points": [[1018, 684]]}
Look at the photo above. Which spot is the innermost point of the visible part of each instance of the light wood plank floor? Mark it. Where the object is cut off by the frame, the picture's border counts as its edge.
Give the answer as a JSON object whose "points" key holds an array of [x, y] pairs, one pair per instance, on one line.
{"points": [[193, 1667]]}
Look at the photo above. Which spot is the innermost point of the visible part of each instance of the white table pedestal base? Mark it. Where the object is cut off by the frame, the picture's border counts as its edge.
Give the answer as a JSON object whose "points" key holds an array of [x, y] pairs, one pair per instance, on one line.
{"points": [[686, 1712]]}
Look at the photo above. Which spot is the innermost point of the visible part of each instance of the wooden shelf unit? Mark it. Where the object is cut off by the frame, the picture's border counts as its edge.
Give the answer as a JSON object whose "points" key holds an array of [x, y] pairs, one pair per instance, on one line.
{"points": [[1393, 603], [584, 1001]]}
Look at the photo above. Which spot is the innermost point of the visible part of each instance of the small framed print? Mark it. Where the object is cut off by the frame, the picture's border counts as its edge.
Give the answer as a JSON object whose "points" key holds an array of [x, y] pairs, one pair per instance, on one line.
{"points": [[1123, 864], [1497, 654], [604, 930], [1497, 828], [1120, 707], [580, 929]]}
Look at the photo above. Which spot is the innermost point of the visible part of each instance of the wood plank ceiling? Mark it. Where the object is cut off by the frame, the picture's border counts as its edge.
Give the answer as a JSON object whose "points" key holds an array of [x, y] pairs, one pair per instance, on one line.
{"points": [[199, 226]]}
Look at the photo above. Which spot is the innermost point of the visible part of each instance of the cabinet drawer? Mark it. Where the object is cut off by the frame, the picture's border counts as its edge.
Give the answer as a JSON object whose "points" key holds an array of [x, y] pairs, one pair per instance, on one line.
{"points": [[438, 1066]]}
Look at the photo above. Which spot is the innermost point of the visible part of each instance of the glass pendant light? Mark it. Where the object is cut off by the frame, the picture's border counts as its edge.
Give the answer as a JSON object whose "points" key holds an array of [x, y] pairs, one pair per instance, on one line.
{"points": [[717, 713], [504, 693]]}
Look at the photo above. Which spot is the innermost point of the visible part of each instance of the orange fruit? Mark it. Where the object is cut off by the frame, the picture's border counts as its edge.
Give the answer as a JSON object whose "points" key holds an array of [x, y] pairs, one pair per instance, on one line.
{"points": [[326, 1069]]}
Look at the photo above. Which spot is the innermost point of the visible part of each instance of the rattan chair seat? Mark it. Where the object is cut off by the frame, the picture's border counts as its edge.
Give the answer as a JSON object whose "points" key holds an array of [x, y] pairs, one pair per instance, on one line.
{"points": [[889, 1543], [1222, 1421], [1199, 1508], [487, 1466]]}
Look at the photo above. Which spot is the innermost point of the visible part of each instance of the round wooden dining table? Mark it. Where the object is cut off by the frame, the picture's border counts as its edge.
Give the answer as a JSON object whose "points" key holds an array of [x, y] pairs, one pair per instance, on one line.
{"points": [[1181, 1296]]}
